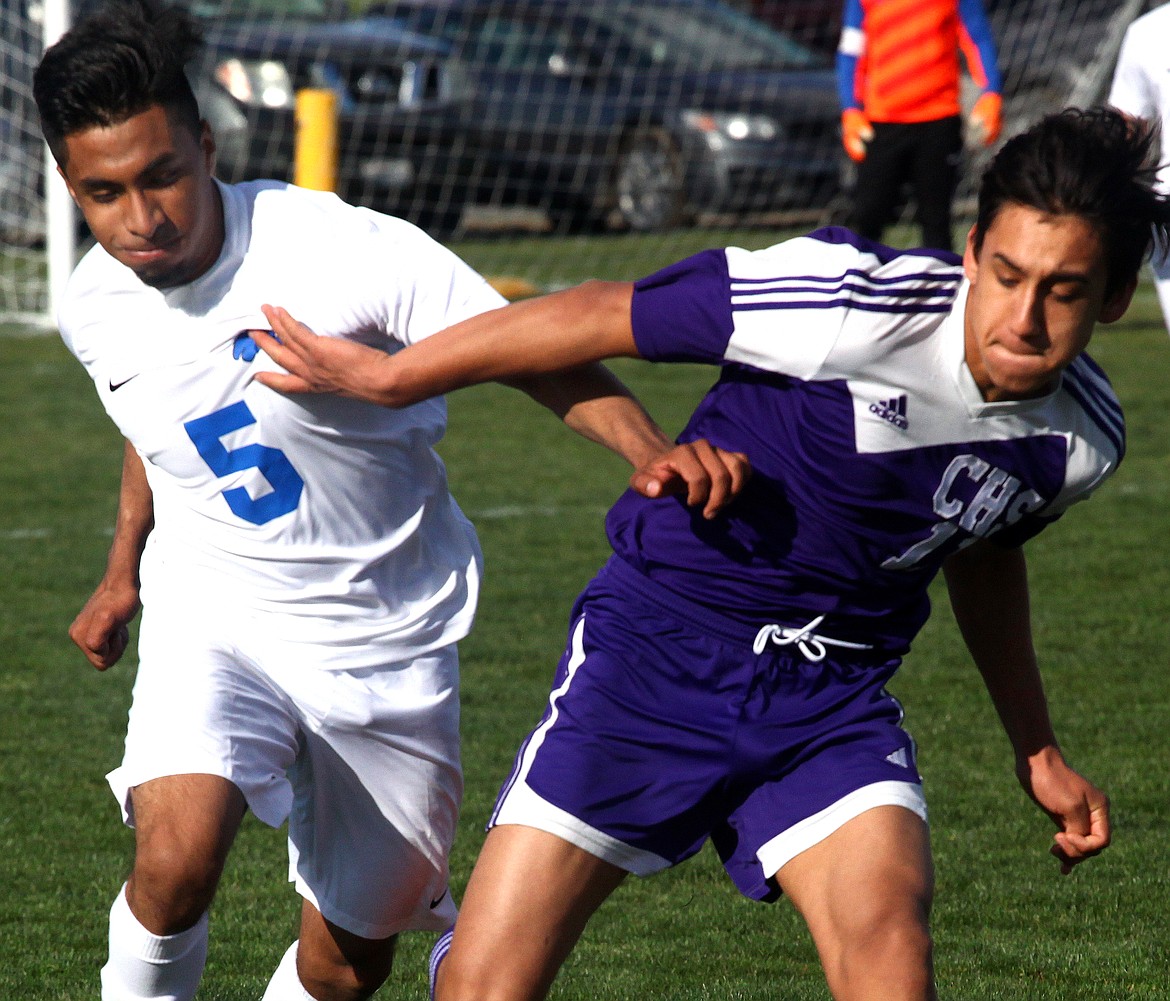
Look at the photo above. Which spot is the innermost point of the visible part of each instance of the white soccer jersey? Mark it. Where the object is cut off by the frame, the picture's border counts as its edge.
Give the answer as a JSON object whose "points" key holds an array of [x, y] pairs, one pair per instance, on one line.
{"points": [[874, 455], [1141, 80], [330, 513]]}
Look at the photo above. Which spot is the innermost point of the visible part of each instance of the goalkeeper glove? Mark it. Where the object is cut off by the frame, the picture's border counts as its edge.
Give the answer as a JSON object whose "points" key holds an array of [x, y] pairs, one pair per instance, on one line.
{"points": [[986, 118], [855, 133]]}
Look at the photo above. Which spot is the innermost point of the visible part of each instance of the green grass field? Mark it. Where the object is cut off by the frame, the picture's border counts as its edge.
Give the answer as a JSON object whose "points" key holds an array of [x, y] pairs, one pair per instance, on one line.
{"points": [[1007, 925]]}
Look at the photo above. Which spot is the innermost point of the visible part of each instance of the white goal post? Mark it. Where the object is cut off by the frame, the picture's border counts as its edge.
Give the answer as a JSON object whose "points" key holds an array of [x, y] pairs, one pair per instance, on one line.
{"points": [[557, 157]]}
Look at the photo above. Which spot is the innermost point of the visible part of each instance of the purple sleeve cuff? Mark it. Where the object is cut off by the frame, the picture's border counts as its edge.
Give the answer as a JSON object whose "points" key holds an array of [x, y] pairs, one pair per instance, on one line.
{"points": [[683, 312]]}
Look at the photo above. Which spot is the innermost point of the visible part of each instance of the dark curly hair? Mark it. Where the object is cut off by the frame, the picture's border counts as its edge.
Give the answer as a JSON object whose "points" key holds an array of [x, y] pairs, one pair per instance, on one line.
{"points": [[123, 58], [1094, 163]]}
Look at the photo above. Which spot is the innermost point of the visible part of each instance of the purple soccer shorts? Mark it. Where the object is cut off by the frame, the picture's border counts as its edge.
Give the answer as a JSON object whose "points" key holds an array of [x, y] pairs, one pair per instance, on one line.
{"points": [[664, 728]]}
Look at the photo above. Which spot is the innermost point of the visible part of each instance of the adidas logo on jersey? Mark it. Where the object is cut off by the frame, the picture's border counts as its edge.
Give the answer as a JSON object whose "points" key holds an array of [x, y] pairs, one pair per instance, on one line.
{"points": [[893, 410]]}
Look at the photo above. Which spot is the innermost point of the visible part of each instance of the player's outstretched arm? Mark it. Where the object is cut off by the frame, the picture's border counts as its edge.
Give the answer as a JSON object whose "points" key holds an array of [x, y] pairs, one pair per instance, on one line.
{"points": [[549, 347], [988, 588], [101, 629], [553, 333]]}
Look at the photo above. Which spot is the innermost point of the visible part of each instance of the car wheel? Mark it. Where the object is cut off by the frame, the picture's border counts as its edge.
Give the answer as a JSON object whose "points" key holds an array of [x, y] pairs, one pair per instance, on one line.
{"points": [[648, 190]]}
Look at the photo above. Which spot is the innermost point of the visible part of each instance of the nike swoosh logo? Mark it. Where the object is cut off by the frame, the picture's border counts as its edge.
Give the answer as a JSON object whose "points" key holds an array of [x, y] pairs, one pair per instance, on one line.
{"points": [[439, 899], [115, 386]]}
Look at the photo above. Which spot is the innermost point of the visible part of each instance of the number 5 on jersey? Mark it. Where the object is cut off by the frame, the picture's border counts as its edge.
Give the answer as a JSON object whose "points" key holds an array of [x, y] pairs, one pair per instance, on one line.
{"points": [[286, 483]]}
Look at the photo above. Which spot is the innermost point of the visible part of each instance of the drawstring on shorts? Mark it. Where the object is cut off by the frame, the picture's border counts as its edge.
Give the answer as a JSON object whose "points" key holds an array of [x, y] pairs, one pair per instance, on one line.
{"points": [[809, 643]]}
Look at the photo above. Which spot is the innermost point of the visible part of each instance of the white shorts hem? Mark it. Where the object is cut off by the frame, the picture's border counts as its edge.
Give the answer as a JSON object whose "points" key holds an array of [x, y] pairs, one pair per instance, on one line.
{"points": [[525, 807], [270, 805], [435, 919], [783, 848]]}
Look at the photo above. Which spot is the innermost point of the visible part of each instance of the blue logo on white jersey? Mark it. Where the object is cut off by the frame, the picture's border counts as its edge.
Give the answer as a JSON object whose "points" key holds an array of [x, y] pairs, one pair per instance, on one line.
{"points": [[246, 349]]}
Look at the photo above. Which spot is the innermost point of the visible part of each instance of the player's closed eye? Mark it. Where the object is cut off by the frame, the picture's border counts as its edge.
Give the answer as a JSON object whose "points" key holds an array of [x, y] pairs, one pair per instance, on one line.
{"points": [[165, 180], [1069, 295]]}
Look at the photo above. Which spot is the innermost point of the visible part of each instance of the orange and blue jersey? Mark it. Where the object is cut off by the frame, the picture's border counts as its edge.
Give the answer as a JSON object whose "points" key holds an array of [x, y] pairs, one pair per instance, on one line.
{"points": [[898, 60]]}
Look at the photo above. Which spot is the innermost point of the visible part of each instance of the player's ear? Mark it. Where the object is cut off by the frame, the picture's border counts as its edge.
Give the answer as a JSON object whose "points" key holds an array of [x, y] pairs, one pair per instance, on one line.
{"points": [[68, 184], [207, 145], [1115, 306], [970, 256]]}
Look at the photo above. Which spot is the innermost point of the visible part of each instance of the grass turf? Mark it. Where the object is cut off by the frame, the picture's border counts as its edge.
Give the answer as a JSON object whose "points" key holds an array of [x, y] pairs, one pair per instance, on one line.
{"points": [[1007, 925]]}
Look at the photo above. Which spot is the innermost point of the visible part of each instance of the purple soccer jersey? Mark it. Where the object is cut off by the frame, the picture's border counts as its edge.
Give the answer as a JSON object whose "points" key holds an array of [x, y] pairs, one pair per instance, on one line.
{"points": [[874, 455]]}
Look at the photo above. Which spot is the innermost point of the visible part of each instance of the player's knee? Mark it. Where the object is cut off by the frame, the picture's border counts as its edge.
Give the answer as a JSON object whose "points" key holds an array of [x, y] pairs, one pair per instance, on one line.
{"points": [[171, 889], [466, 979], [890, 956], [353, 981]]}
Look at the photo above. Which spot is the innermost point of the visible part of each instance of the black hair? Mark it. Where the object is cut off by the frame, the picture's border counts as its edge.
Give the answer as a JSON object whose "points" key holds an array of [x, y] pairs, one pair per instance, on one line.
{"points": [[1094, 163], [123, 58]]}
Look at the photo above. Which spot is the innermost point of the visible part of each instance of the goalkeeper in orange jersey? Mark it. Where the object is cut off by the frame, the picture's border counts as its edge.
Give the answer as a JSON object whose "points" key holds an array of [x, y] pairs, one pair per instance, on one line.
{"points": [[898, 81]]}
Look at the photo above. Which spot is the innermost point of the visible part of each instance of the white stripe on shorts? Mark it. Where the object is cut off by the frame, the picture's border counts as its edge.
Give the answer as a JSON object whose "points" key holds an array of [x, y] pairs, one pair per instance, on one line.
{"points": [[774, 854], [522, 805]]}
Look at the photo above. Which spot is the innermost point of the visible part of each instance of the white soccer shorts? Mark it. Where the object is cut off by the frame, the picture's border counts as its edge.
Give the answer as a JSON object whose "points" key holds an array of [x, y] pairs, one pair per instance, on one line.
{"points": [[363, 763]]}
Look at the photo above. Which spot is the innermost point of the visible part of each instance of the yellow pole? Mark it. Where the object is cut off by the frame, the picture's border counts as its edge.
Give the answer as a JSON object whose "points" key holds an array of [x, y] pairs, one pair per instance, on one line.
{"points": [[315, 159]]}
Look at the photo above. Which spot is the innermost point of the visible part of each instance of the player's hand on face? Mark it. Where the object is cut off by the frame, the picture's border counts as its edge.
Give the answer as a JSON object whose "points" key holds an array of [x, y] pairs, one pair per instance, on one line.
{"points": [[710, 477], [1079, 809], [101, 629], [313, 364]]}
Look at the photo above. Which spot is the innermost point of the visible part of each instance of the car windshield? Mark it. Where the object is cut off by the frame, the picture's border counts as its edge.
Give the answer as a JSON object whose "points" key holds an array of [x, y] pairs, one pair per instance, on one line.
{"points": [[703, 37], [643, 35]]}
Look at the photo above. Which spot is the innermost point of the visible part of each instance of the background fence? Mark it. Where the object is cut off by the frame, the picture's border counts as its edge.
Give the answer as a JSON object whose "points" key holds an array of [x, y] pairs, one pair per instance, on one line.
{"points": [[637, 130]]}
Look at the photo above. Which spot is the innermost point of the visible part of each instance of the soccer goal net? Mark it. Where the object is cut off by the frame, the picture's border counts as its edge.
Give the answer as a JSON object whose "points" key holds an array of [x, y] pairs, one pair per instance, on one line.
{"points": [[549, 140]]}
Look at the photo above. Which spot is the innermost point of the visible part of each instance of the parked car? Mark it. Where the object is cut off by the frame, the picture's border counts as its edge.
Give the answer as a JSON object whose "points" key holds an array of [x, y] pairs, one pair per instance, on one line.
{"points": [[642, 112], [398, 144]]}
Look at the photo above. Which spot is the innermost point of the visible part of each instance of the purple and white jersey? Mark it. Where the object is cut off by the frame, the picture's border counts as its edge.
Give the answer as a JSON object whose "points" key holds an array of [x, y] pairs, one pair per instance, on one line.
{"points": [[874, 454]]}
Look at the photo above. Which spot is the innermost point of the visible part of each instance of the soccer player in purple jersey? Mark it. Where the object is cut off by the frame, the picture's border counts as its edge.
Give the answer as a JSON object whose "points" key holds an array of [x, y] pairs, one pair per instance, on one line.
{"points": [[724, 677]]}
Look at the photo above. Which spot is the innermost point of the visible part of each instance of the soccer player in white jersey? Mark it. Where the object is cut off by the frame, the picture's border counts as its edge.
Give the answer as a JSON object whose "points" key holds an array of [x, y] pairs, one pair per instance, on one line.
{"points": [[303, 570], [1141, 88], [903, 413]]}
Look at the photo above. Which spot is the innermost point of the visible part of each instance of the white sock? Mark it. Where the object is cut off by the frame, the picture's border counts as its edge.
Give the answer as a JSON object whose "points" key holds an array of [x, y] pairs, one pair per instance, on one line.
{"points": [[147, 967], [285, 985]]}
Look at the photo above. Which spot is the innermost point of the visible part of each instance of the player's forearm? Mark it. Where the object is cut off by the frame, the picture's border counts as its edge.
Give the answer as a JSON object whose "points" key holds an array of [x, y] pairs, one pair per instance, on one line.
{"points": [[988, 588], [535, 337], [1017, 692], [527, 340], [133, 524], [595, 404], [622, 425]]}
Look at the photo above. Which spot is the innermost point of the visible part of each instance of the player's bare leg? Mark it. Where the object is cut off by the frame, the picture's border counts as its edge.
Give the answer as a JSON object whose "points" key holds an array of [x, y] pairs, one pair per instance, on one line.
{"points": [[184, 826], [528, 901], [336, 965], [865, 892]]}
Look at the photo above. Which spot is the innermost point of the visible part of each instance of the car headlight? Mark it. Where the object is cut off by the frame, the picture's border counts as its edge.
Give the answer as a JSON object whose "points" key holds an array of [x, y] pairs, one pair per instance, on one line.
{"points": [[734, 125], [261, 83]]}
